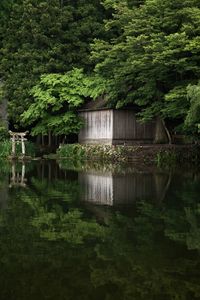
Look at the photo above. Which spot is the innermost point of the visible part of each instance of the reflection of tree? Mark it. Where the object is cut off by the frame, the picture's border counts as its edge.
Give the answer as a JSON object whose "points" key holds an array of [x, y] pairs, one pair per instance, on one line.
{"points": [[52, 248], [4, 168]]}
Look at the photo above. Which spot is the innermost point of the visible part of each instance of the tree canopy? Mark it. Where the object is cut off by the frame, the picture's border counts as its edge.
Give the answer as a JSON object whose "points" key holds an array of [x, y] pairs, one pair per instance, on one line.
{"points": [[44, 37], [56, 99], [147, 52], [155, 56]]}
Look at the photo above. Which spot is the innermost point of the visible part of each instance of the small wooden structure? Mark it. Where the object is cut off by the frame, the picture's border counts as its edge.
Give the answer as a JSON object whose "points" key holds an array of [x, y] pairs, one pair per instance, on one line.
{"points": [[104, 125], [17, 137]]}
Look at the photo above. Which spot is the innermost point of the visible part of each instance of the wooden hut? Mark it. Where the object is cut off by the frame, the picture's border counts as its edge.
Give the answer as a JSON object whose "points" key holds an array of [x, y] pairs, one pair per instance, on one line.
{"points": [[116, 126]]}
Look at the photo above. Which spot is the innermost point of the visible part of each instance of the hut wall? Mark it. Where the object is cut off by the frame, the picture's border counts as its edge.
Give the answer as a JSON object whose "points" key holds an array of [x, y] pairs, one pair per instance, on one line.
{"points": [[98, 127], [126, 129]]}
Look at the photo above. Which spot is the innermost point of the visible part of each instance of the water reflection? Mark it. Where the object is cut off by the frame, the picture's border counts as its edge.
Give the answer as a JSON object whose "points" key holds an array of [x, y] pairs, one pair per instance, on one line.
{"points": [[102, 186], [113, 189], [53, 247], [3, 194], [18, 178], [4, 181]]}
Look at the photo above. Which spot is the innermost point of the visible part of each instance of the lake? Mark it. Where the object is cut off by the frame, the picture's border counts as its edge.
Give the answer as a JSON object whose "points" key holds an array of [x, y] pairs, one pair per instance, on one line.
{"points": [[99, 231]]}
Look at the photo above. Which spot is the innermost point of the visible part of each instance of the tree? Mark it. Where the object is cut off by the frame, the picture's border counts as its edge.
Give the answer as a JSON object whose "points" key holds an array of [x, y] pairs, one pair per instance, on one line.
{"points": [[154, 58], [192, 121], [45, 37], [56, 100]]}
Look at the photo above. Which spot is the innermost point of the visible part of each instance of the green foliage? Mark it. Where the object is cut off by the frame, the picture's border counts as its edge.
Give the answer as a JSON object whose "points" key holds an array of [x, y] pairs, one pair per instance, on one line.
{"points": [[73, 151], [149, 251], [6, 149], [166, 159], [56, 100], [147, 53], [92, 152], [42, 37], [79, 165], [174, 157], [193, 115], [154, 57], [3, 133]]}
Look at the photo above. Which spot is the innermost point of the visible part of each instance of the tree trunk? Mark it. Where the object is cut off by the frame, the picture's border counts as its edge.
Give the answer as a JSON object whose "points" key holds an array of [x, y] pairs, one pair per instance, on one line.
{"points": [[162, 135], [42, 140], [38, 139], [167, 132], [49, 138]]}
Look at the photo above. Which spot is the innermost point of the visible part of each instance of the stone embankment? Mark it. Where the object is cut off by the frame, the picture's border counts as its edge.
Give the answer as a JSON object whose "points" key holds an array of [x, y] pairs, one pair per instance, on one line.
{"points": [[146, 154]]}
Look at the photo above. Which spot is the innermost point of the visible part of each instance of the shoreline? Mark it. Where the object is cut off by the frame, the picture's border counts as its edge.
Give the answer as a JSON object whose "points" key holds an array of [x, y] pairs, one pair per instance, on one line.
{"points": [[147, 154]]}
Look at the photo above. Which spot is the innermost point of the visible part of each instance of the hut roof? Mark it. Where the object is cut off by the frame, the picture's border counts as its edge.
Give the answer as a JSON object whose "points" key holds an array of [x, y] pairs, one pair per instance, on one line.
{"points": [[99, 103]]}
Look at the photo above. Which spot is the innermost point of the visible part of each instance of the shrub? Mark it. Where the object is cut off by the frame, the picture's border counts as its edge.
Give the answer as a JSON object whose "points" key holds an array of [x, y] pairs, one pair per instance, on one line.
{"points": [[3, 133], [6, 148], [93, 152]]}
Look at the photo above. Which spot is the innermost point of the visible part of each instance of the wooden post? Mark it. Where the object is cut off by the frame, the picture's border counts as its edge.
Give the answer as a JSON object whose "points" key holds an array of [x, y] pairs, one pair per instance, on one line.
{"points": [[49, 138], [13, 172], [13, 146], [18, 179], [56, 140], [23, 174], [23, 146], [42, 140]]}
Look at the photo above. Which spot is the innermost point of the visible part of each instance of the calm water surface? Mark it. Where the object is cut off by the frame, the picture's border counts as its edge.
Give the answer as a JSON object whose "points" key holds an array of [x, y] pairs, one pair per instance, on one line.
{"points": [[89, 232]]}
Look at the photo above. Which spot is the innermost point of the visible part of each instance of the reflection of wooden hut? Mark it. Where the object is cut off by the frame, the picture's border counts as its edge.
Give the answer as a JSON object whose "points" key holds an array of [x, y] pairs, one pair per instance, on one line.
{"points": [[113, 189], [115, 127]]}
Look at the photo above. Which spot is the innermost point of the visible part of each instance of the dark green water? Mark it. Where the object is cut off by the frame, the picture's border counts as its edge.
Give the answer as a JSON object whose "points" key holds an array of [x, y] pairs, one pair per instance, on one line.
{"points": [[98, 232]]}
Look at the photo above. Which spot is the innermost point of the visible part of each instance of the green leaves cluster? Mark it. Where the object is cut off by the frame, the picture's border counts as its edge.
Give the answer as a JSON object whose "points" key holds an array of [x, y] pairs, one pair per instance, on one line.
{"points": [[148, 52], [154, 57], [193, 116], [44, 37], [148, 252], [56, 100]]}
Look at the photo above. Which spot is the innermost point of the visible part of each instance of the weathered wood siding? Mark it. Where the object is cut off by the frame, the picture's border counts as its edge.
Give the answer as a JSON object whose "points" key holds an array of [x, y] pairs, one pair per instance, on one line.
{"points": [[127, 129], [115, 127], [98, 127]]}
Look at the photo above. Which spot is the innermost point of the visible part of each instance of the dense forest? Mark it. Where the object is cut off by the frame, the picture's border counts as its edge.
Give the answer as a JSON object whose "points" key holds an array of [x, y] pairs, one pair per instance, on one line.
{"points": [[55, 55]]}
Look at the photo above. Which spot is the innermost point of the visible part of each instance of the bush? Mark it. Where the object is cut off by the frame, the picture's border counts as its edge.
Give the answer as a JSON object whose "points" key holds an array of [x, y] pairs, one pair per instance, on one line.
{"points": [[6, 149], [72, 151], [93, 152], [3, 133]]}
